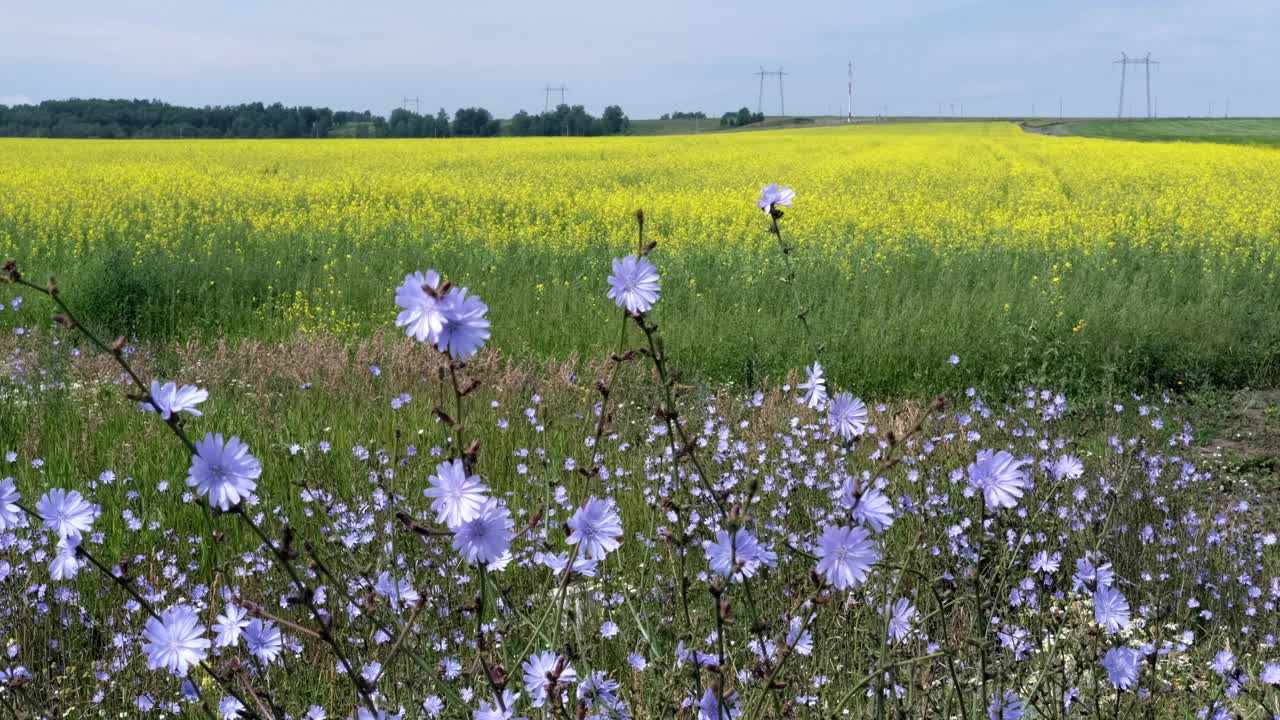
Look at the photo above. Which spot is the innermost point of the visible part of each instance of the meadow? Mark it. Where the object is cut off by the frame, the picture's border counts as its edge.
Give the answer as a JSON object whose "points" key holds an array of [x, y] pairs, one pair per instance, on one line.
{"points": [[1083, 263], [1243, 131], [622, 486]]}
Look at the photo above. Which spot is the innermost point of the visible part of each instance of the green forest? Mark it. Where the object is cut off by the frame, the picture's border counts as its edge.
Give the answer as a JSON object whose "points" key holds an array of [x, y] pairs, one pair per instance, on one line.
{"points": [[99, 118]]}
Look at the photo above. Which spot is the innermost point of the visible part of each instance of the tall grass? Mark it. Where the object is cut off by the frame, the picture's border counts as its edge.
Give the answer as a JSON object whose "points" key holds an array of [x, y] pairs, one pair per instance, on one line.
{"points": [[1112, 319]]}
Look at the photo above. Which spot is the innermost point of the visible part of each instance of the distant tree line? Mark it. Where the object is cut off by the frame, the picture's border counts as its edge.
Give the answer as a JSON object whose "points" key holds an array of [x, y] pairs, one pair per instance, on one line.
{"points": [[406, 124], [571, 120], [744, 116], [697, 115], [94, 118], [154, 119]]}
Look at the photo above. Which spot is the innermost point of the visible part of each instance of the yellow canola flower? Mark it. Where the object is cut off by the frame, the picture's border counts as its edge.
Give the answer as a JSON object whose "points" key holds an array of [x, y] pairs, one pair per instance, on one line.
{"points": [[324, 206]]}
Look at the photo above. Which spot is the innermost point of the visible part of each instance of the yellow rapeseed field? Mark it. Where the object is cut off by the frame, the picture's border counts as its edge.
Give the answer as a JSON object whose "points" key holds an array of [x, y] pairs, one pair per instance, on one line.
{"points": [[951, 185], [906, 234]]}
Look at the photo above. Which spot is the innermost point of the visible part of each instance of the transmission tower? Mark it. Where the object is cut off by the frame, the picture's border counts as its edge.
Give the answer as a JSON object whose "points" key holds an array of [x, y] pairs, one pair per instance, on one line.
{"points": [[782, 100], [1124, 62], [546, 104], [417, 104], [849, 117]]}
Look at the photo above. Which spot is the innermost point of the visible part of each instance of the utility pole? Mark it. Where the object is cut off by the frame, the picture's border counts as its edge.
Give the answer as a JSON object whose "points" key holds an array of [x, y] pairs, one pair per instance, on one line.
{"points": [[782, 100], [1124, 65], [417, 104], [849, 117], [1059, 108], [1147, 64]]}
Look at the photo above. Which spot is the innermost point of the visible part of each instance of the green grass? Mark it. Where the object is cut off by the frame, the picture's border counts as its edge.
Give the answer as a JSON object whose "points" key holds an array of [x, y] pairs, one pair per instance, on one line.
{"points": [[791, 122], [81, 422], [1246, 131], [90, 427], [674, 127], [353, 130], [1150, 319]]}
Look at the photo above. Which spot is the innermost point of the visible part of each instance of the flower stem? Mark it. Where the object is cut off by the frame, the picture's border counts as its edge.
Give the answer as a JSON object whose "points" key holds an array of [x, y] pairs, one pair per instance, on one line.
{"points": [[802, 312]]}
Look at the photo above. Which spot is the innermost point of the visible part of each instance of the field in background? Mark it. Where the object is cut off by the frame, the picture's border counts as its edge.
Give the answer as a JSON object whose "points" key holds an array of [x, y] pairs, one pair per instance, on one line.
{"points": [[791, 122], [688, 127], [1085, 264], [1246, 131]]}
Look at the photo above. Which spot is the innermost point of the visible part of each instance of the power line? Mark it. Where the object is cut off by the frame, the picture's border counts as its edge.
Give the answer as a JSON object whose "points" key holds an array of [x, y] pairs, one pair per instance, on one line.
{"points": [[1124, 62], [782, 100], [849, 118], [547, 103]]}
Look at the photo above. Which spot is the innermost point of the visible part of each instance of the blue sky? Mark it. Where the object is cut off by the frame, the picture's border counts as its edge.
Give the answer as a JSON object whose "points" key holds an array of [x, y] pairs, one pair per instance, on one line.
{"points": [[994, 58]]}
